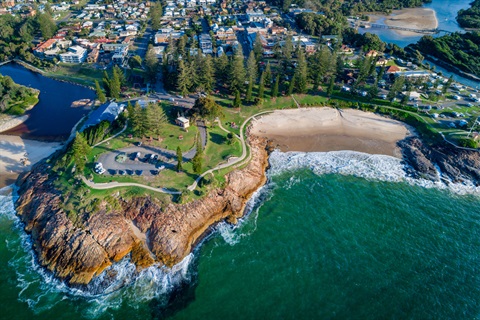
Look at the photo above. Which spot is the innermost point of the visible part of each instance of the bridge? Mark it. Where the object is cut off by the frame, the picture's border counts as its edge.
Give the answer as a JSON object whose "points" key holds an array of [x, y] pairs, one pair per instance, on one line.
{"points": [[424, 31]]}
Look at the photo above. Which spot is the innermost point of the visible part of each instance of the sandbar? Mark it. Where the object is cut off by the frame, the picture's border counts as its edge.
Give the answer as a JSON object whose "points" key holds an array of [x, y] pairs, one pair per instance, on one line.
{"points": [[13, 149], [327, 129], [414, 18]]}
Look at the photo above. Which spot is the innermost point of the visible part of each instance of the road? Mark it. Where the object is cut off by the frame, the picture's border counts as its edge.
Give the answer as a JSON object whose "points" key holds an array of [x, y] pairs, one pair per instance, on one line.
{"points": [[141, 43], [243, 40]]}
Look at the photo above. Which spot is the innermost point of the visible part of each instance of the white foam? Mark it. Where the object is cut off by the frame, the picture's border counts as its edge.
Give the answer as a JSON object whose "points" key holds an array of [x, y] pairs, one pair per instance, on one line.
{"points": [[372, 167], [119, 284]]}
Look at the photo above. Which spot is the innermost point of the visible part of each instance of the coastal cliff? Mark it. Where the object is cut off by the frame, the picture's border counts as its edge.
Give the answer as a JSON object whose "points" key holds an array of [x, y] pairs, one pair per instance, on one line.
{"points": [[148, 230]]}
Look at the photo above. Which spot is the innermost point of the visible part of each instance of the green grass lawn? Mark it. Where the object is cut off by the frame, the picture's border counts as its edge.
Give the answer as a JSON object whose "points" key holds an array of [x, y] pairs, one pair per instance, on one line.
{"points": [[218, 150], [83, 74]]}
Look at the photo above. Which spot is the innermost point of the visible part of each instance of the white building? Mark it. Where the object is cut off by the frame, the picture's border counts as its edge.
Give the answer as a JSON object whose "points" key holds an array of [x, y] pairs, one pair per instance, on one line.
{"points": [[75, 54]]}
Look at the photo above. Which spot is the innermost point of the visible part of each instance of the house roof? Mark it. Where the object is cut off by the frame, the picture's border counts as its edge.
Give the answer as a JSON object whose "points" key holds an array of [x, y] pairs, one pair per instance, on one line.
{"points": [[393, 69]]}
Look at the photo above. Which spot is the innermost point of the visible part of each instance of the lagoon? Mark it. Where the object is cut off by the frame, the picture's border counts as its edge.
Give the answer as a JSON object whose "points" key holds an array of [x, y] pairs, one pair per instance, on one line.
{"points": [[53, 118]]}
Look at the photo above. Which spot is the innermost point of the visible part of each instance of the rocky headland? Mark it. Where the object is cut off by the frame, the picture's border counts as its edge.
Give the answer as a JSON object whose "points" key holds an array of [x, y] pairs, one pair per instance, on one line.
{"points": [[152, 232], [143, 227]]}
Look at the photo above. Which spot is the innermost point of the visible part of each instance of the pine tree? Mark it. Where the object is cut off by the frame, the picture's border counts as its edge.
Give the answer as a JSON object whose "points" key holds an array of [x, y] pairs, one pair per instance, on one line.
{"points": [[396, 87], [120, 75], [331, 85], [258, 47], [151, 64], [275, 87], [179, 159], [80, 149], [183, 79], [100, 94], [447, 85], [137, 120], [155, 119], [106, 83], [198, 158], [287, 48], [155, 13], [114, 86], [237, 71], [301, 73], [130, 112], [237, 101], [268, 75], [381, 73], [261, 86], [291, 86], [248, 97], [208, 74], [221, 68], [193, 70], [252, 68]]}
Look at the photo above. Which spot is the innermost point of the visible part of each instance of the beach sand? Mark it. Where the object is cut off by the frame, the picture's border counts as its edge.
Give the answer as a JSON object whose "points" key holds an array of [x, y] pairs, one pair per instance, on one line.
{"points": [[415, 18], [13, 149], [327, 129]]}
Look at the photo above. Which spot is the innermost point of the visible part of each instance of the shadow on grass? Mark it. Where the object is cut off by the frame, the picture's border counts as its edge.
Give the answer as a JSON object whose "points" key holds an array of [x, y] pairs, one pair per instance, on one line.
{"points": [[216, 138]]}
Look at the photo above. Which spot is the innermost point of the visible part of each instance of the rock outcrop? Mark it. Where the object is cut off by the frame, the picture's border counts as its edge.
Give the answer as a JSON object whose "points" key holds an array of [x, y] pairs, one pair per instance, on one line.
{"points": [[152, 233], [455, 164]]}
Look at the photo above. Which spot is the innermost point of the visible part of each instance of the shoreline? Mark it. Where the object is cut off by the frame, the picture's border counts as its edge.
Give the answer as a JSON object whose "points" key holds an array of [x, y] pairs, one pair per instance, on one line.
{"points": [[415, 18], [167, 233], [327, 129], [18, 155]]}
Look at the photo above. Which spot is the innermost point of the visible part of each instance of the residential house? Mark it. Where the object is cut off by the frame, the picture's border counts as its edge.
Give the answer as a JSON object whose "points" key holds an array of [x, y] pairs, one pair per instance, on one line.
{"points": [[75, 54], [205, 42]]}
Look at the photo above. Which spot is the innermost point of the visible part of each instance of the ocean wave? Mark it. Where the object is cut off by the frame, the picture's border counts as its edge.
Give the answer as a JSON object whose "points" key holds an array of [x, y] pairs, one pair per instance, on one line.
{"points": [[119, 284], [247, 224], [368, 166]]}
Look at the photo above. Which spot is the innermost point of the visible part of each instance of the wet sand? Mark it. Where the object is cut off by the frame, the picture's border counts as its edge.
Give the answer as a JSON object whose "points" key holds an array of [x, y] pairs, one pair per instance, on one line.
{"points": [[13, 149], [327, 129], [414, 18]]}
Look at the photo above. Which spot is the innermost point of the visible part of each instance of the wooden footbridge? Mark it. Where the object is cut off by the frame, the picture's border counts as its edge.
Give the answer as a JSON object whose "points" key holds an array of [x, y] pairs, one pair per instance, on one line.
{"points": [[384, 26]]}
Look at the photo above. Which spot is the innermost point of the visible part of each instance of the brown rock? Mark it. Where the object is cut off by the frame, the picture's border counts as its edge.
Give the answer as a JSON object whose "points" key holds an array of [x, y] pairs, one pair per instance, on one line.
{"points": [[164, 235]]}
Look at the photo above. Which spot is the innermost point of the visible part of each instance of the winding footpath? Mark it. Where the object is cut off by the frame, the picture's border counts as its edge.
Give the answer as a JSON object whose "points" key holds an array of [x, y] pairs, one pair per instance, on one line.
{"points": [[110, 185], [236, 162], [245, 157]]}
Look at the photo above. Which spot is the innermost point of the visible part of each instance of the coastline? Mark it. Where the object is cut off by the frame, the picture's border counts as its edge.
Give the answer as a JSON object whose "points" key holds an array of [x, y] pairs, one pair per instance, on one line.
{"points": [[159, 233], [13, 149], [327, 129], [415, 18]]}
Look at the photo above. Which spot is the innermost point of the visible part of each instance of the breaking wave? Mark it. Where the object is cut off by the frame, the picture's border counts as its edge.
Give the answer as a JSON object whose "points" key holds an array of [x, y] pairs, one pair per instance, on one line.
{"points": [[368, 166], [118, 285], [232, 234]]}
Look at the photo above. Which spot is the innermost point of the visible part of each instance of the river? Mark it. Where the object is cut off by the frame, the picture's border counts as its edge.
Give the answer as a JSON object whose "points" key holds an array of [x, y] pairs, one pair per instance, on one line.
{"points": [[446, 13], [53, 118]]}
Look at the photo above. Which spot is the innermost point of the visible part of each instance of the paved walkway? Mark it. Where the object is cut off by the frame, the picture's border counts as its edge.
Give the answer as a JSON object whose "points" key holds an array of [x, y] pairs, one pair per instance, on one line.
{"points": [[236, 162], [110, 185]]}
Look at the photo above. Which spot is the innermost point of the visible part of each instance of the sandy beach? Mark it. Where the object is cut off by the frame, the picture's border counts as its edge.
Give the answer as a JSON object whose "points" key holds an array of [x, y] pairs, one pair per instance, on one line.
{"points": [[13, 149], [327, 129], [415, 18]]}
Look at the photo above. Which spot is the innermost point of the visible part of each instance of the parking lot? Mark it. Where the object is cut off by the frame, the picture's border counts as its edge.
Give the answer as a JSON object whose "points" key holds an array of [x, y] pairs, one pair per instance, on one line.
{"points": [[151, 161]]}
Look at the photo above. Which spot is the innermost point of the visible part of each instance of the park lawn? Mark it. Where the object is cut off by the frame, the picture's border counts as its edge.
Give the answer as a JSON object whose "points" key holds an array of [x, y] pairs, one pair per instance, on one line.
{"points": [[170, 132], [310, 100], [167, 178], [218, 150], [77, 73]]}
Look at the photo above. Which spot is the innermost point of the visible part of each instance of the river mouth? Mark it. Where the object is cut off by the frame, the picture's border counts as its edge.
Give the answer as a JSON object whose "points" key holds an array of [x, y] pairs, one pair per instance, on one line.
{"points": [[54, 117]]}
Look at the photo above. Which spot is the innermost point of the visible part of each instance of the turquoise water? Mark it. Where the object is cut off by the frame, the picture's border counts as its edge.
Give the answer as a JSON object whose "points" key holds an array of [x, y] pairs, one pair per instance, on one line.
{"points": [[314, 246]]}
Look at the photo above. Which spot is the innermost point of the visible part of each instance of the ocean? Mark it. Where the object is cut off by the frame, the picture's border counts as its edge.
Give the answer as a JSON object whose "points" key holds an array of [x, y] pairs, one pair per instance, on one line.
{"points": [[336, 235]]}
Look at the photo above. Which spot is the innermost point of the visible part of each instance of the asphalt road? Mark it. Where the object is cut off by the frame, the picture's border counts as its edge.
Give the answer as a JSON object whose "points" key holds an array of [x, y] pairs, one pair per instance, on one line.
{"points": [[141, 43]]}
